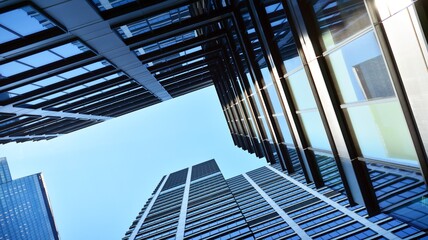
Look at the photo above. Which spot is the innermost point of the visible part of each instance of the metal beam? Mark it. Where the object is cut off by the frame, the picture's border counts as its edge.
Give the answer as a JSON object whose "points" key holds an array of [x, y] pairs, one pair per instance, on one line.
{"points": [[180, 60], [179, 47], [45, 113], [176, 29]]}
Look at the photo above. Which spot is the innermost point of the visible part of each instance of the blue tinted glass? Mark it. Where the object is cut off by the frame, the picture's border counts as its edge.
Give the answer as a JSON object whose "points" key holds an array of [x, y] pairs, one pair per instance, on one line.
{"points": [[12, 68], [41, 58], [69, 49], [23, 21], [6, 36]]}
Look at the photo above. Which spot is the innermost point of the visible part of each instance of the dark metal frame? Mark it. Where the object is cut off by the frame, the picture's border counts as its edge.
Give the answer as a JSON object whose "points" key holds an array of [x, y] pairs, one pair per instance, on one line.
{"points": [[307, 21]]}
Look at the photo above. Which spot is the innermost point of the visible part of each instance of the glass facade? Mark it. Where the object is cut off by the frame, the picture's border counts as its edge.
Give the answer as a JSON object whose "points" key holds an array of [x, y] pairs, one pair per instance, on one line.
{"points": [[24, 208], [324, 88], [265, 203]]}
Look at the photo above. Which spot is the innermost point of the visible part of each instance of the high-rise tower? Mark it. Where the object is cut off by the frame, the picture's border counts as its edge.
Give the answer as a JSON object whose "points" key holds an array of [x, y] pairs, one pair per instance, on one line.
{"points": [[265, 203], [25, 213]]}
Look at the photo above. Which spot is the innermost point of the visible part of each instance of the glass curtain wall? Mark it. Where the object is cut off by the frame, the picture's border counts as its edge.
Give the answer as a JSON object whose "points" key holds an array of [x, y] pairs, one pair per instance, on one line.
{"points": [[297, 82], [266, 86], [362, 81], [245, 106], [252, 91]]}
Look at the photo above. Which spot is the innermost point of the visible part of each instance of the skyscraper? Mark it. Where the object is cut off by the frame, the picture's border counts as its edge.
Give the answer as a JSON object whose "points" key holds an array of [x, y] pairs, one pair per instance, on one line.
{"points": [[25, 213], [265, 203], [301, 82]]}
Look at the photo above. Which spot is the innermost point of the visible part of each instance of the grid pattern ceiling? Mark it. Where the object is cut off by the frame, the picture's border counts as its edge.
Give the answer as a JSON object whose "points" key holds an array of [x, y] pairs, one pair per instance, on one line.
{"points": [[60, 73]]}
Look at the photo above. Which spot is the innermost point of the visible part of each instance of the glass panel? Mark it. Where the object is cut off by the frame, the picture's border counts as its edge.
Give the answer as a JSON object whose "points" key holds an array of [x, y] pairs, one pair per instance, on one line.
{"points": [[24, 89], [302, 93], [70, 49], [266, 77], [278, 113], [49, 81], [23, 21], [12, 68], [73, 89], [41, 58], [259, 108], [381, 132], [73, 73], [58, 94], [340, 19], [95, 66], [6, 36], [360, 75], [314, 130]]}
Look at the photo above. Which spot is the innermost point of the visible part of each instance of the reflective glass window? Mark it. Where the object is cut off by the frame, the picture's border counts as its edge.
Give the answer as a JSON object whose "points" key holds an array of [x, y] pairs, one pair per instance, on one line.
{"points": [[360, 75], [259, 108], [267, 82], [279, 115], [340, 19], [24, 89], [381, 131], [314, 129], [301, 91]]}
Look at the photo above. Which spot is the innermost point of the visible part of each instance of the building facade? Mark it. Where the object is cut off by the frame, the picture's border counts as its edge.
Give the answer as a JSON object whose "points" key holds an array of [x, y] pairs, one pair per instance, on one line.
{"points": [[25, 213], [313, 79], [265, 203]]}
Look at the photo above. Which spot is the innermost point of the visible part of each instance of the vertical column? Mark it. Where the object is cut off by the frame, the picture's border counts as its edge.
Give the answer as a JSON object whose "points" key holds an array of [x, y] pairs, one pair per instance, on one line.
{"points": [[399, 29], [147, 210], [271, 52], [230, 98], [249, 95], [183, 211], [355, 170], [257, 78], [224, 107], [240, 102], [234, 96]]}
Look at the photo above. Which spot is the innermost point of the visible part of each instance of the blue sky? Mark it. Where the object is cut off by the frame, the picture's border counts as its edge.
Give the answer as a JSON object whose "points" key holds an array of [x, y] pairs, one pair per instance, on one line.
{"points": [[99, 178]]}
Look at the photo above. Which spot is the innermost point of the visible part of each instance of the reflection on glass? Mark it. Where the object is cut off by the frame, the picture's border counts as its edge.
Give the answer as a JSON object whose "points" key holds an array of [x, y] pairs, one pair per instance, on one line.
{"points": [[340, 19], [22, 22], [360, 75], [259, 108], [302, 94], [283, 35], [314, 130], [381, 132], [266, 77], [278, 113]]}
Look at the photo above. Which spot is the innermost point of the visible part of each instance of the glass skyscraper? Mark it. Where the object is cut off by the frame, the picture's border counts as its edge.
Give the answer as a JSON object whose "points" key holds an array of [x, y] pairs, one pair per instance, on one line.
{"points": [[25, 213], [265, 203]]}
